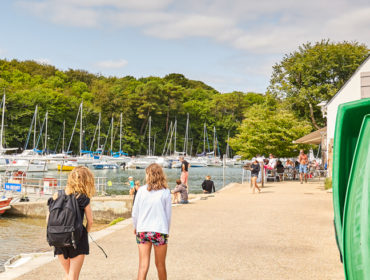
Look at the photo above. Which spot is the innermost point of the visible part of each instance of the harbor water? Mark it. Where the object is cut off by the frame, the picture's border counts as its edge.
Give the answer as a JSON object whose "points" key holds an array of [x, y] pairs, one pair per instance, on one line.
{"points": [[26, 235]]}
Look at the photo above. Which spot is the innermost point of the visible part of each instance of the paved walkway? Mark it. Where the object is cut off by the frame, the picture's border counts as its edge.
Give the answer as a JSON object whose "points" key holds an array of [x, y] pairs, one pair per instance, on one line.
{"points": [[286, 232]]}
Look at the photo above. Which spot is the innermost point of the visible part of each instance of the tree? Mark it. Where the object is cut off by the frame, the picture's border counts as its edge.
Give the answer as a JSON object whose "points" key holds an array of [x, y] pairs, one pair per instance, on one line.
{"points": [[269, 129], [314, 73]]}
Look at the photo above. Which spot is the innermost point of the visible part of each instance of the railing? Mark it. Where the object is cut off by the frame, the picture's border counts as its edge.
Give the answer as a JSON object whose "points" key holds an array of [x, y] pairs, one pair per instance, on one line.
{"points": [[44, 186]]}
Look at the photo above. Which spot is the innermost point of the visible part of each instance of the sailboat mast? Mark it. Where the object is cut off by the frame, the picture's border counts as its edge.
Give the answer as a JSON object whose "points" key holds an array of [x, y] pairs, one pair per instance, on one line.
{"points": [[174, 145], [185, 150], [214, 141], [2, 122], [204, 138], [111, 138], [46, 130], [154, 144], [64, 132], [34, 129], [99, 121], [120, 133], [150, 128], [81, 132]]}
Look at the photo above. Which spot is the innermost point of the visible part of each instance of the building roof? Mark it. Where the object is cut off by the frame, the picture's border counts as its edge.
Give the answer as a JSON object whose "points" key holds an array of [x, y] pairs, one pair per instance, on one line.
{"points": [[313, 138], [345, 84]]}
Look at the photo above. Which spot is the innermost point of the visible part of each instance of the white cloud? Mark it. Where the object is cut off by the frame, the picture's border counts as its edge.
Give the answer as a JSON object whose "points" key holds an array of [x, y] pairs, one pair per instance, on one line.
{"points": [[112, 64], [43, 61], [265, 26]]}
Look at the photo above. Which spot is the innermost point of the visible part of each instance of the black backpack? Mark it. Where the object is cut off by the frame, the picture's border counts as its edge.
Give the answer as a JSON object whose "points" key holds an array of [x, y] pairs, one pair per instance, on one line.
{"points": [[64, 227]]}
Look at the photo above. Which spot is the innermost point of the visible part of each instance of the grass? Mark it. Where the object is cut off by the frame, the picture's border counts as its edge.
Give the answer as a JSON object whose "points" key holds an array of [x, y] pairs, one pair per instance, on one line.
{"points": [[115, 221], [328, 183]]}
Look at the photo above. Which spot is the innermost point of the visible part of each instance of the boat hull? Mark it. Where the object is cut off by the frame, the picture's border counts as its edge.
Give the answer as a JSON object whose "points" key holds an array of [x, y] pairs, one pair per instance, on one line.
{"points": [[5, 204]]}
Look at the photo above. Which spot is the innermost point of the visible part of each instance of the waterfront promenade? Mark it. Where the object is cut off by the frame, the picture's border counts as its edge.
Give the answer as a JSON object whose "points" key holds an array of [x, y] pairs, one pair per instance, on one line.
{"points": [[286, 232]]}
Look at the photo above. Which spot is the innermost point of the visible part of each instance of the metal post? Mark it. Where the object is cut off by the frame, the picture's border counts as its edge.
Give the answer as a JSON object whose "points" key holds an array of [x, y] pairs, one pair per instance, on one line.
{"points": [[223, 169]]}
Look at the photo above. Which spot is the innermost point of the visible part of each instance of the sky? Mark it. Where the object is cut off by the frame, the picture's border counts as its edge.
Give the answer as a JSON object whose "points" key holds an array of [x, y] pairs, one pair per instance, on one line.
{"points": [[228, 44]]}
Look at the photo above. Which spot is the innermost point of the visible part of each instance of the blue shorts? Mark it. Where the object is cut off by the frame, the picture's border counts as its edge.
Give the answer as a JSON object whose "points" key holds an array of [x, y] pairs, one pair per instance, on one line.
{"points": [[303, 168], [184, 202]]}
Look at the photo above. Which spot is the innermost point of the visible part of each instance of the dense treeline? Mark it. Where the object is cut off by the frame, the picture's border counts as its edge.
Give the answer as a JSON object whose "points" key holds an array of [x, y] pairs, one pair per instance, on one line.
{"points": [[28, 83], [257, 123]]}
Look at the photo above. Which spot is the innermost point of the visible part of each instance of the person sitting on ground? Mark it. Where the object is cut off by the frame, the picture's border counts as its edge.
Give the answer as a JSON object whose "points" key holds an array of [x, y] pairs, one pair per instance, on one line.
{"points": [[208, 186], [182, 189]]}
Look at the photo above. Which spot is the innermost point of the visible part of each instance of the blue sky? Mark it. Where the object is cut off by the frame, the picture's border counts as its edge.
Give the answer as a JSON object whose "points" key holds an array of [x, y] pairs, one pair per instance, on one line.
{"points": [[230, 45]]}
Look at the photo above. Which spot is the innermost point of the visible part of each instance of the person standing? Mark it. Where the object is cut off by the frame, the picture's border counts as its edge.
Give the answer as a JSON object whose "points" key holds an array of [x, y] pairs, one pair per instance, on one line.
{"points": [[255, 170], [184, 172], [81, 186], [151, 216], [303, 161]]}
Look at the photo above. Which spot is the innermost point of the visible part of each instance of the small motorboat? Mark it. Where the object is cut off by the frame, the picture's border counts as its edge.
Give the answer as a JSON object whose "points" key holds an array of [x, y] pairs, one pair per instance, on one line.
{"points": [[105, 165], [67, 166], [5, 204]]}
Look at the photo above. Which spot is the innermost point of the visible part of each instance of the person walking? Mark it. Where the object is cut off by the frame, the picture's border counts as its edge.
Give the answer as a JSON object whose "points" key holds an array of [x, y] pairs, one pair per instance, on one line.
{"points": [[81, 186], [303, 161], [255, 170], [151, 216]]}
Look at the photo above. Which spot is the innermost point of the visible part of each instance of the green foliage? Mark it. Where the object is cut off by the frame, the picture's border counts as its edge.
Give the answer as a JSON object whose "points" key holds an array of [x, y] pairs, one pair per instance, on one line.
{"points": [[328, 184], [115, 221], [269, 128], [29, 83], [314, 73]]}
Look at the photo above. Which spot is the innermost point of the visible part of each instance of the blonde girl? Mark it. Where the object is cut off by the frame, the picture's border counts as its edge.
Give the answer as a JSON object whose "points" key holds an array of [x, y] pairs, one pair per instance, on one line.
{"points": [[80, 183], [151, 217]]}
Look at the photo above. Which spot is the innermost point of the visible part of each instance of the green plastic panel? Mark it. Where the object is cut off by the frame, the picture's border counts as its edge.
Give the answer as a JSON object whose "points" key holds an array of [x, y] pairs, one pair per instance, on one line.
{"points": [[348, 123], [356, 223]]}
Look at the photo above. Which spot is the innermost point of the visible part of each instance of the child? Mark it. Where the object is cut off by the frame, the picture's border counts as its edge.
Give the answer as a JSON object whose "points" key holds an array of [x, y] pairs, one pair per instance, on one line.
{"points": [[131, 183], [81, 184], [182, 189], [151, 216], [137, 186], [208, 185]]}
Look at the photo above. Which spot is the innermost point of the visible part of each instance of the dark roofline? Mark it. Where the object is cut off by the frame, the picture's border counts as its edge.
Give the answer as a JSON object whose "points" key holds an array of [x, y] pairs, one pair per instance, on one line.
{"points": [[345, 84]]}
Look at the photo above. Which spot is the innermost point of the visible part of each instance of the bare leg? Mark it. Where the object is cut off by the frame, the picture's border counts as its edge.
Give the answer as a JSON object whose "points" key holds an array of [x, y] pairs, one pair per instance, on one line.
{"points": [[160, 261], [256, 185], [301, 177], [144, 260], [65, 263], [75, 267]]}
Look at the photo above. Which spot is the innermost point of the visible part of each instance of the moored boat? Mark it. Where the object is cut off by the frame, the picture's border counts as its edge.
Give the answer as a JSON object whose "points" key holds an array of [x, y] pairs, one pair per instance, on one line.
{"points": [[67, 166], [5, 204]]}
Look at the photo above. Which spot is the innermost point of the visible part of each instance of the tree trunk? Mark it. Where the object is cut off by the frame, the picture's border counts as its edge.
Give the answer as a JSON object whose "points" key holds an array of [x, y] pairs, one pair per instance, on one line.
{"points": [[313, 117]]}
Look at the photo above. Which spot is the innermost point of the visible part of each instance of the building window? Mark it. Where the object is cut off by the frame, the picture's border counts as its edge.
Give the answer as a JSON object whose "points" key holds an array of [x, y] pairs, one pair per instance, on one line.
{"points": [[365, 85]]}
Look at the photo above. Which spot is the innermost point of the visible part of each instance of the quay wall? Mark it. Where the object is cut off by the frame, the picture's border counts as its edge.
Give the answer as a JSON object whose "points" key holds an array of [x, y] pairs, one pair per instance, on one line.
{"points": [[105, 209]]}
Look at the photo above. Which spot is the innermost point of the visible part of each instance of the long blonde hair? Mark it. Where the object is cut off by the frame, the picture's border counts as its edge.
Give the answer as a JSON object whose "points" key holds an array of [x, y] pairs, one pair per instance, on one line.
{"points": [[81, 181], [155, 177]]}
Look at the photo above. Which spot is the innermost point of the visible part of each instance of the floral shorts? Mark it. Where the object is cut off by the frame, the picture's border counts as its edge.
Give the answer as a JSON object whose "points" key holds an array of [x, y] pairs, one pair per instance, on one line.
{"points": [[156, 238]]}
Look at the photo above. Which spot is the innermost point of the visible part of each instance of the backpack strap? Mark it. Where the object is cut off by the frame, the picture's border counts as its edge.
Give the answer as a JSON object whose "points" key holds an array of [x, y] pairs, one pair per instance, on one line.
{"points": [[77, 208]]}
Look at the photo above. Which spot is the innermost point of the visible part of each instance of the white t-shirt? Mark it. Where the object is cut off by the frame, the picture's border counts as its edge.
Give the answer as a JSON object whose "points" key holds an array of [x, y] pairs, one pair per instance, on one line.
{"points": [[272, 162], [152, 210]]}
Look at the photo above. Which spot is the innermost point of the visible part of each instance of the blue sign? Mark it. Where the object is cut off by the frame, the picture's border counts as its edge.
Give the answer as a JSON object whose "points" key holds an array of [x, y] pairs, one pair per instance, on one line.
{"points": [[13, 187]]}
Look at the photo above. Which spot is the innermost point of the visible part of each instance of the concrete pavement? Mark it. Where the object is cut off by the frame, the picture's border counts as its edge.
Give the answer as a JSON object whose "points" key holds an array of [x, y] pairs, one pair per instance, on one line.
{"points": [[286, 232]]}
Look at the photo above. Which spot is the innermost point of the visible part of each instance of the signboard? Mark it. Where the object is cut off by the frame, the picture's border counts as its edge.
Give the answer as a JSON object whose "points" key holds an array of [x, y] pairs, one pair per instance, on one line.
{"points": [[13, 187]]}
